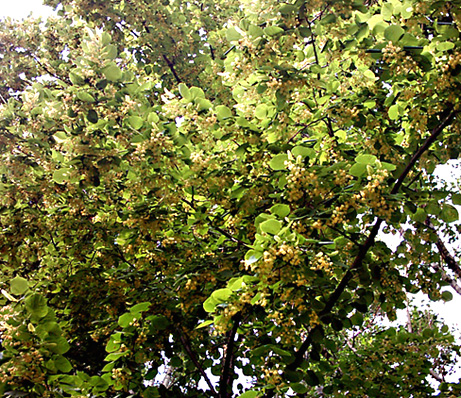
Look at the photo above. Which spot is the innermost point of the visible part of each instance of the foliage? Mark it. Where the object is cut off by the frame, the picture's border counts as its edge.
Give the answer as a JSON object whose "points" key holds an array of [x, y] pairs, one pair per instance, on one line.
{"points": [[199, 187]]}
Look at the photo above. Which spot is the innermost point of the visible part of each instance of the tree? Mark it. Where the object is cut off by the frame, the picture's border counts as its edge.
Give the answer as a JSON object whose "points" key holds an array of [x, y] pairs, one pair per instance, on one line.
{"points": [[200, 187]]}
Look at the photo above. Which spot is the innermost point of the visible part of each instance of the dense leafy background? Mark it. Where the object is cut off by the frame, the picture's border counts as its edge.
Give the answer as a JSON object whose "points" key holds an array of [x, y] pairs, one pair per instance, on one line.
{"points": [[197, 188]]}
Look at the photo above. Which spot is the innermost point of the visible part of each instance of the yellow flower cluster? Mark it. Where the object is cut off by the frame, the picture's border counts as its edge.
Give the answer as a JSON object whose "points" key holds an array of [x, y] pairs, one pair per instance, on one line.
{"points": [[322, 262], [297, 179], [27, 363], [372, 195], [399, 63]]}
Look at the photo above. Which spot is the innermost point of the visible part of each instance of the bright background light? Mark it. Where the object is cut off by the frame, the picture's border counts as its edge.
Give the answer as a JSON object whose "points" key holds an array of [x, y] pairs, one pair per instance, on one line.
{"points": [[20, 9]]}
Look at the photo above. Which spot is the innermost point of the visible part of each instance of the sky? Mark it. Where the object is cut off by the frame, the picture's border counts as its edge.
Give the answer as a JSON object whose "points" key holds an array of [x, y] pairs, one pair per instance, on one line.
{"points": [[449, 311], [19, 9]]}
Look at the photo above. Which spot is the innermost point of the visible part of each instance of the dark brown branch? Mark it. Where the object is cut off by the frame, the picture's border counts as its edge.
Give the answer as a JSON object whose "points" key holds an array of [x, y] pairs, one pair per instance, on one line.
{"points": [[444, 253], [165, 58], [429, 141], [227, 373], [448, 258], [447, 278], [212, 52], [171, 66], [185, 342], [51, 73]]}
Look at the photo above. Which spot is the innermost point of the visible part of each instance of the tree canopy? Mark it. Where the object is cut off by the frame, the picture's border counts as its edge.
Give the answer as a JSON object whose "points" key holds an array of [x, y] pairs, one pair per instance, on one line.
{"points": [[196, 198]]}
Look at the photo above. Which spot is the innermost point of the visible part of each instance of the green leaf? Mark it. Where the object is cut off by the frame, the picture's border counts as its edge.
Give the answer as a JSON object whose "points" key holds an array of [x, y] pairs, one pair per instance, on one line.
{"points": [[394, 112], [447, 296], [76, 79], [358, 169], [303, 152], [357, 318], [61, 175], [109, 52], [271, 226], [232, 34], [388, 166], [209, 304], [92, 116], [299, 388], [255, 31], [252, 256], [106, 38], [393, 33], [159, 322], [126, 319], [62, 364], [141, 307], [112, 345], [205, 324], [280, 210], [278, 162], [272, 30], [115, 355], [449, 213], [85, 97], [366, 159], [387, 11], [99, 383], [221, 295], [223, 112], [112, 72], [456, 199], [203, 104], [184, 91], [420, 215], [249, 394], [58, 346], [135, 122], [36, 305], [196, 92], [19, 285], [262, 111]]}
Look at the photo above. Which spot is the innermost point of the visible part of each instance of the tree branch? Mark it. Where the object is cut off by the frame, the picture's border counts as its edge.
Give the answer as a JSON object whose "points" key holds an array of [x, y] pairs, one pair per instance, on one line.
{"points": [[186, 344], [357, 263], [171, 66], [227, 372]]}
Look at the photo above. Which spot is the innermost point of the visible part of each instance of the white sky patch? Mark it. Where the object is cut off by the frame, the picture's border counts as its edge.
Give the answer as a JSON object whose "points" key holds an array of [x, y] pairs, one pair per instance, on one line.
{"points": [[19, 9]]}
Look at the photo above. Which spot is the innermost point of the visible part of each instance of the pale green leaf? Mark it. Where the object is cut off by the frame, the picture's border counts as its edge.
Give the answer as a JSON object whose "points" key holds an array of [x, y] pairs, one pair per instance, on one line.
{"points": [[272, 30], [366, 159], [358, 169], [280, 210], [223, 112], [271, 226], [126, 319], [112, 72], [393, 33], [278, 162], [135, 122], [19, 285], [184, 91], [141, 307]]}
